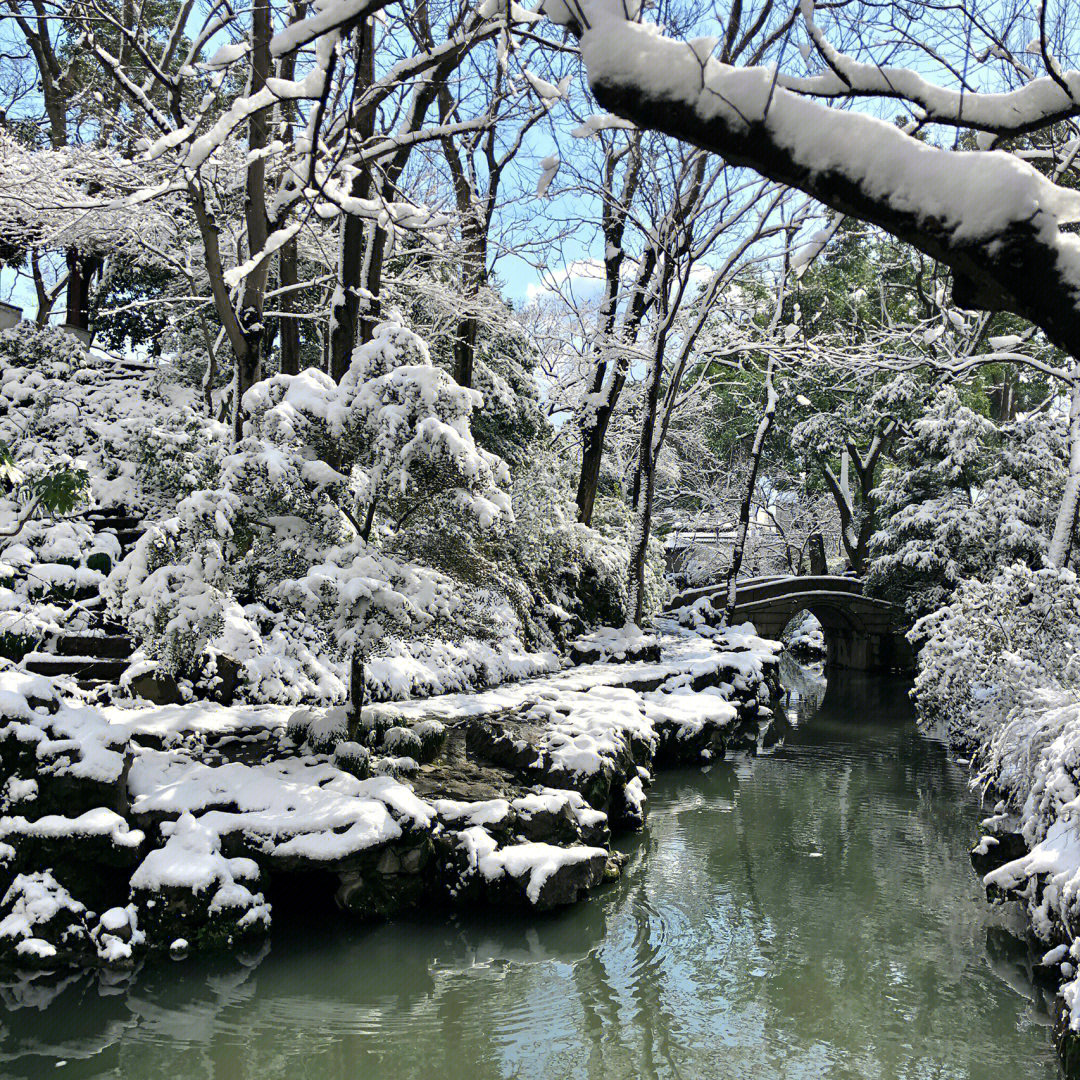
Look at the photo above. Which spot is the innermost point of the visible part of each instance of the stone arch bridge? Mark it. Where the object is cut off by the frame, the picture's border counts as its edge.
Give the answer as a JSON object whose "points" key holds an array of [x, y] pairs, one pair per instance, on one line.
{"points": [[861, 632]]}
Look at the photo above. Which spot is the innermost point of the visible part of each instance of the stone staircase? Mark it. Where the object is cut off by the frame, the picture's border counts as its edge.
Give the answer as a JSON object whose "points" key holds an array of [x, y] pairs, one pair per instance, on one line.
{"points": [[97, 654]]}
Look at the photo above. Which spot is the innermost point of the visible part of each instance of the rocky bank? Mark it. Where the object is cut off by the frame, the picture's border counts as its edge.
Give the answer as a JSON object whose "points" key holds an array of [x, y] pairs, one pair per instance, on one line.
{"points": [[170, 828]]}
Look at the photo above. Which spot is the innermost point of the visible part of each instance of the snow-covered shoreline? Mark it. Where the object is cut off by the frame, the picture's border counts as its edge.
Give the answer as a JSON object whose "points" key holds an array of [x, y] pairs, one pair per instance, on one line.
{"points": [[163, 829], [1020, 857]]}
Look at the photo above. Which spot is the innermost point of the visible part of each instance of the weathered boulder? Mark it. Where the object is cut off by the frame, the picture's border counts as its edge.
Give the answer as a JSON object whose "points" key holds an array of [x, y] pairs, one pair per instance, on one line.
{"points": [[505, 741], [996, 849], [475, 869], [323, 730], [43, 925], [188, 889], [73, 758], [116, 937], [394, 880], [219, 674], [558, 817], [92, 855], [157, 687]]}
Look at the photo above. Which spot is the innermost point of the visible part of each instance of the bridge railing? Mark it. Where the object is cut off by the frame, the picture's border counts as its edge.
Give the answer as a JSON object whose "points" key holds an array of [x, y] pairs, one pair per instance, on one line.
{"points": [[751, 590], [688, 596], [830, 583]]}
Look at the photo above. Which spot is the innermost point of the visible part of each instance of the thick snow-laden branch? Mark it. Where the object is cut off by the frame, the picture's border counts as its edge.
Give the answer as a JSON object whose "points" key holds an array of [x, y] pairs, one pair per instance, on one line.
{"points": [[991, 217], [274, 242], [1032, 107], [330, 15]]}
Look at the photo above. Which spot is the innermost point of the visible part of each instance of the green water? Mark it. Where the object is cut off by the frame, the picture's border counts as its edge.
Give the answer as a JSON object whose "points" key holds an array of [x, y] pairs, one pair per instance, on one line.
{"points": [[808, 913]]}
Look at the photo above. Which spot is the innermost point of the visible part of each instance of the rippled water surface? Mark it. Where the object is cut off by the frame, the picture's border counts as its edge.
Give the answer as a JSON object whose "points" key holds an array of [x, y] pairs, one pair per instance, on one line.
{"points": [[809, 913]]}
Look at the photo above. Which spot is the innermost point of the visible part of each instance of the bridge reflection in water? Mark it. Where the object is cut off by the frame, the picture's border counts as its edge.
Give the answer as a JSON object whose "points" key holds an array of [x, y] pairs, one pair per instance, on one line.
{"points": [[862, 633]]}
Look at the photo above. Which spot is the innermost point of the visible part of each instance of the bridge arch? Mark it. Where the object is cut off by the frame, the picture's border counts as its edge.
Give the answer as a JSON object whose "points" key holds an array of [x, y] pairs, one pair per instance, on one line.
{"points": [[861, 632]]}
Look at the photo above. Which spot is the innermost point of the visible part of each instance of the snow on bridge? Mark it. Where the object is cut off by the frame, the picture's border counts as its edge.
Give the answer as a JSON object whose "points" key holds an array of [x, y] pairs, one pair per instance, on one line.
{"points": [[861, 632]]}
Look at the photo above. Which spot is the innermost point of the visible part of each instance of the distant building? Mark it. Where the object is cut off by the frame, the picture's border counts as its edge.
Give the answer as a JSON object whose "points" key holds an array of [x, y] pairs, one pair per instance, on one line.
{"points": [[702, 553]]}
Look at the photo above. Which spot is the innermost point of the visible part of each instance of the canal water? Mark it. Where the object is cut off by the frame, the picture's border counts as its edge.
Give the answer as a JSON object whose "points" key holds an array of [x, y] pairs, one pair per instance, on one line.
{"points": [[806, 913]]}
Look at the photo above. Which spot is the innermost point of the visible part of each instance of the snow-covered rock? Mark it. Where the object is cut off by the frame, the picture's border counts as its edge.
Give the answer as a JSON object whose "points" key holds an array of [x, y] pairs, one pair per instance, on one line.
{"points": [[618, 643], [42, 924], [191, 887]]}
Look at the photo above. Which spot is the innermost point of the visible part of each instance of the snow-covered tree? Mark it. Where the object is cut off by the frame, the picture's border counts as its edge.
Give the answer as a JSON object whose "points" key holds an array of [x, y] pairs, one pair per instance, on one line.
{"points": [[964, 500], [993, 659], [845, 446], [290, 528], [998, 222]]}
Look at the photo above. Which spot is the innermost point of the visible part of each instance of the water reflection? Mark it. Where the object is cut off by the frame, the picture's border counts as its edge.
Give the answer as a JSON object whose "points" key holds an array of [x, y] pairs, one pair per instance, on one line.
{"points": [[804, 689], [806, 914]]}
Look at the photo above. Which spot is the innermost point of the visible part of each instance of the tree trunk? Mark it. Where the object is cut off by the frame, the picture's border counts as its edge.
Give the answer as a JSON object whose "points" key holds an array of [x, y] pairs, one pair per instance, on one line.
{"points": [[344, 304], [248, 359], [473, 279], [645, 477], [744, 511], [356, 695], [640, 545], [247, 367], [81, 271], [856, 540], [465, 351], [371, 304], [591, 456], [288, 262], [615, 212], [1003, 400], [290, 327], [860, 554], [1065, 525]]}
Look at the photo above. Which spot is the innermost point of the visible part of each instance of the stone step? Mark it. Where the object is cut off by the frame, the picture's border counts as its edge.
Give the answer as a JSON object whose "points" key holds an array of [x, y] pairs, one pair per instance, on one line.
{"points": [[103, 646], [85, 667]]}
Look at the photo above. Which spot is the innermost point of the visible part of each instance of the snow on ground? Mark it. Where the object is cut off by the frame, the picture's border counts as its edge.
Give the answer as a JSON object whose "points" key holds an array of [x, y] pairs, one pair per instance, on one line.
{"points": [[686, 657], [615, 643], [583, 730], [199, 821], [196, 717], [297, 807]]}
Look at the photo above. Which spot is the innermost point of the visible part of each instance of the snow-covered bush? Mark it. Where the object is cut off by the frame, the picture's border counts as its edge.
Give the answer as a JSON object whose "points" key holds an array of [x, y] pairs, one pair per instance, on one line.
{"points": [[988, 657], [1001, 665], [181, 453], [62, 407], [804, 637], [574, 575], [51, 352], [966, 500]]}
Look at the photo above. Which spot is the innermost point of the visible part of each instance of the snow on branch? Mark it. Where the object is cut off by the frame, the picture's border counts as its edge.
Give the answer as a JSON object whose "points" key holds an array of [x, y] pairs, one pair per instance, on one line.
{"points": [[991, 217], [1032, 107]]}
